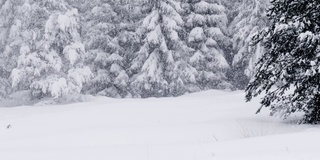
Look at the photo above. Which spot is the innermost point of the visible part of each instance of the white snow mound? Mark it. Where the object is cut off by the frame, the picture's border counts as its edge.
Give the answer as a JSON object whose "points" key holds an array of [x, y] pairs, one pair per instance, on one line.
{"points": [[211, 125]]}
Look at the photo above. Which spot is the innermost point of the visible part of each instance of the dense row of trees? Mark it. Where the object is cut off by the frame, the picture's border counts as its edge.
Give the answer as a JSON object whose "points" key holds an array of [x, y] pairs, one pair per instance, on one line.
{"points": [[126, 48]]}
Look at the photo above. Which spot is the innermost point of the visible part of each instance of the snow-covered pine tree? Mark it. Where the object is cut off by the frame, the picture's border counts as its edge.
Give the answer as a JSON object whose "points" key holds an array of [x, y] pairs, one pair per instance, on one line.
{"points": [[127, 42], [206, 25], [54, 66], [121, 49], [248, 17], [99, 29], [289, 69], [110, 37], [160, 66], [14, 24]]}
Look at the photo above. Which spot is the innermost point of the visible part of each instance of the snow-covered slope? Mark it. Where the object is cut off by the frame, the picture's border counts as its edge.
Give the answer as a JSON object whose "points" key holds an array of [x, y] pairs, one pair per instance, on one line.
{"points": [[211, 125]]}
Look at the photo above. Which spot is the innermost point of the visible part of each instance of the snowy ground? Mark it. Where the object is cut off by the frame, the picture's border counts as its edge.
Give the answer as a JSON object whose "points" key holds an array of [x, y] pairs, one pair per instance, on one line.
{"points": [[212, 125]]}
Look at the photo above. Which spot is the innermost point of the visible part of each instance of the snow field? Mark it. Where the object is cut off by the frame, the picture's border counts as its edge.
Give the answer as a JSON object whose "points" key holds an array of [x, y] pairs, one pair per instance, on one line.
{"points": [[211, 125]]}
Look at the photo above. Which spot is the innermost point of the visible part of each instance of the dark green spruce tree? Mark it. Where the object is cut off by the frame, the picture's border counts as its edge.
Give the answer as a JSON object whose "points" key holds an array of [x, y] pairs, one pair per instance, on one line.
{"points": [[289, 70]]}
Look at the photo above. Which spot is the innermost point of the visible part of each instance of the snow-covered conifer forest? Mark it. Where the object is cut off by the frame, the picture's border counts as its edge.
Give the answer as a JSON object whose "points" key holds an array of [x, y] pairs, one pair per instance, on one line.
{"points": [[127, 48], [159, 79]]}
